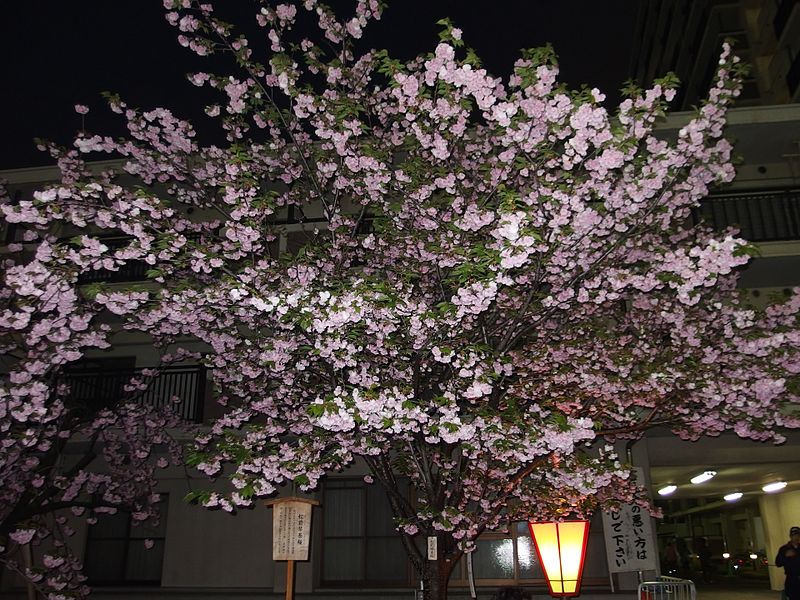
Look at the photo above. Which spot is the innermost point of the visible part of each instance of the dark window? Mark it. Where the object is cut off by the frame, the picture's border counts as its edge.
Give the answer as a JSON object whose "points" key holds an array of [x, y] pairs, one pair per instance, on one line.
{"points": [[296, 240], [116, 553], [360, 542]]}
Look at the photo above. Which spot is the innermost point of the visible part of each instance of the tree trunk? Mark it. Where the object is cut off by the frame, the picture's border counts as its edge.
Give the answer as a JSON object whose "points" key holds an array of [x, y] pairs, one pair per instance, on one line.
{"points": [[436, 576], [433, 575]]}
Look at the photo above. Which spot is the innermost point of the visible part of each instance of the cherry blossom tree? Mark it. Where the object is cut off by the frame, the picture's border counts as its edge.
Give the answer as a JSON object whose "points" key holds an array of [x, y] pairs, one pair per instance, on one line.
{"points": [[503, 280], [46, 323]]}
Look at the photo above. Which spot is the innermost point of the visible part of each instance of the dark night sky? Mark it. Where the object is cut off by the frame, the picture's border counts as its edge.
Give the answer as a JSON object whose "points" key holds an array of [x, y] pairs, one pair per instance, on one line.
{"points": [[56, 54]]}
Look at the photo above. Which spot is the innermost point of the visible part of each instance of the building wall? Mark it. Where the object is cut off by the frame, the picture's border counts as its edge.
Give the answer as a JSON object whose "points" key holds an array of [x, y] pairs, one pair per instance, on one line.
{"points": [[212, 549]]}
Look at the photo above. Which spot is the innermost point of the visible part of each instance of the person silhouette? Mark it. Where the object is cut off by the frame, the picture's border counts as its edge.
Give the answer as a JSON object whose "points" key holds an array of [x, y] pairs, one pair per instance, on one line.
{"points": [[704, 555], [789, 558], [670, 558]]}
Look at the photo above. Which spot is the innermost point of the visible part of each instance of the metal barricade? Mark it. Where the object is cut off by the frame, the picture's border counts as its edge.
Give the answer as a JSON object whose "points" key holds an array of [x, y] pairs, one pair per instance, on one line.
{"points": [[667, 588]]}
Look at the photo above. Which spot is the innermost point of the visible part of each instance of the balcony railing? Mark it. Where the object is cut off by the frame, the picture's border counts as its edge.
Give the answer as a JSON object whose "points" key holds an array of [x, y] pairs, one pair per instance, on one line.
{"points": [[765, 216], [181, 389], [132, 270]]}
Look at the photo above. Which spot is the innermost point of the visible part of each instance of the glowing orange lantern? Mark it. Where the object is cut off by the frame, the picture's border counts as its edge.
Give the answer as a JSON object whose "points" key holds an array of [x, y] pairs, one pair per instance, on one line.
{"points": [[561, 548]]}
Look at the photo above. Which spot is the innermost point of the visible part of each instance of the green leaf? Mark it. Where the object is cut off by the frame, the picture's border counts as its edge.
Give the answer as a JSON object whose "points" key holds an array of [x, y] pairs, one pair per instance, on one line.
{"points": [[197, 496], [90, 291]]}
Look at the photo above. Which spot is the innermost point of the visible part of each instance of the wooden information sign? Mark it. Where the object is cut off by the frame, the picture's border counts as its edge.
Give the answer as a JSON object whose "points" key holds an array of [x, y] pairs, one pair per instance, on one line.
{"points": [[291, 533]]}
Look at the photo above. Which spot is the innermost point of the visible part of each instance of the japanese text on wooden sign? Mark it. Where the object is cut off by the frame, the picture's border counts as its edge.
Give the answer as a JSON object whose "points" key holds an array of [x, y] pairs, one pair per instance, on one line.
{"points": [[291, 530], [630, 544]]}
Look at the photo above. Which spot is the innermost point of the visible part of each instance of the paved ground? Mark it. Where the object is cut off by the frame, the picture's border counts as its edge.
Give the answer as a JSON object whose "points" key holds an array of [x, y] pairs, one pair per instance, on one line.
{"points": [[736, 592], [738, 595]]}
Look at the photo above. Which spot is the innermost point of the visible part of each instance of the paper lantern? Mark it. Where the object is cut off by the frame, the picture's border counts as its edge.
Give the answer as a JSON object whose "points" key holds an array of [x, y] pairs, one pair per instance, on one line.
{"points": [[561, 547]]}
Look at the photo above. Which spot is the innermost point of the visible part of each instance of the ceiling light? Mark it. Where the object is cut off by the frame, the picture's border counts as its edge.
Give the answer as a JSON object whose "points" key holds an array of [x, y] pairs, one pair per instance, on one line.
{"points": [[774, 487], [703, 477], [667, 490], [733, 496]]}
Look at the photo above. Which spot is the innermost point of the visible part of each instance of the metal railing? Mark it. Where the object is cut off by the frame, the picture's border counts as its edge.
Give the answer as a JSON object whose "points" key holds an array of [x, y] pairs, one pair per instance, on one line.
{"points": [[763, 216], [667, 588], [132, 270], [181, 389]]}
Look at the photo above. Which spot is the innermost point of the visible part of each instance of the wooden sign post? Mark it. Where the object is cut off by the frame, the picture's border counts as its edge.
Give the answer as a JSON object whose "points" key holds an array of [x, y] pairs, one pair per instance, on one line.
{"points": [[291, 533]]}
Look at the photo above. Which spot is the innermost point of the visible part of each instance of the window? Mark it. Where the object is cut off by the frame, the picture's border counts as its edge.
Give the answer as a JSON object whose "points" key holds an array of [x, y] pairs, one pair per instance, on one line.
{"points": [[507, 558], [116, 552], [510, 559], [361, 546], [360, 542]]}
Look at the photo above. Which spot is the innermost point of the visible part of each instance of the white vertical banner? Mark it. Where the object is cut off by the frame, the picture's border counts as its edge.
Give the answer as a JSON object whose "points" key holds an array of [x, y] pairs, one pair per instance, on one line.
{"points": [[471, 576], [628, 532]]}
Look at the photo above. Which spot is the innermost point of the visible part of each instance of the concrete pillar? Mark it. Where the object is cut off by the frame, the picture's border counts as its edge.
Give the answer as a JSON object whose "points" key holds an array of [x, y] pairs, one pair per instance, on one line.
{"points": [[779, 512]]}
